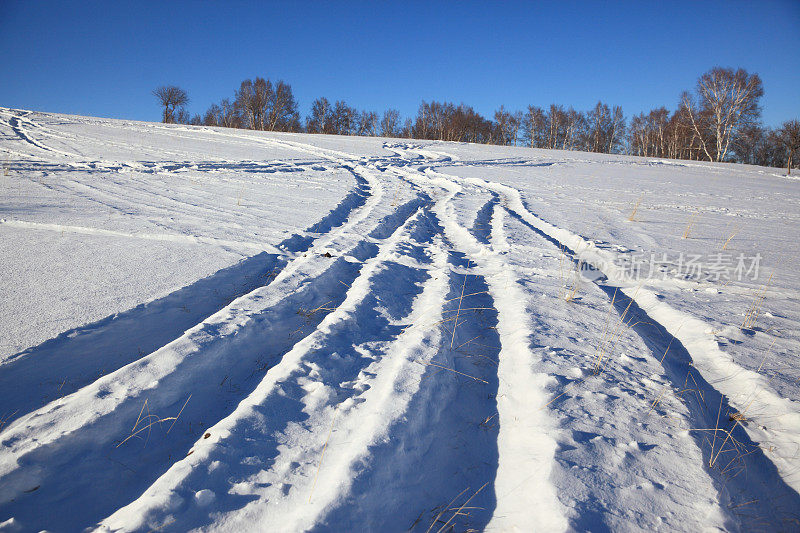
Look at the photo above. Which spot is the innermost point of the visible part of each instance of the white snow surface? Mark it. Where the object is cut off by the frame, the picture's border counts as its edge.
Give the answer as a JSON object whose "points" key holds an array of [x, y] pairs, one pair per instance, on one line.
{"points": [[227, 330]]}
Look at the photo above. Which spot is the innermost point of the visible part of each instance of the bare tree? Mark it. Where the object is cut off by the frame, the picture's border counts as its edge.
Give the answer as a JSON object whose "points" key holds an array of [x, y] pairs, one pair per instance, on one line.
{"points": [[507, 124], [408, 129], [229, 116], [282, 113], [747, 144], [574, 129], [727, 101], [246, 104], [171, 98], [390, 123], [533, 127], [321, 119], [344, 118], [182, 116], [368, 123], [616, 131], [790, 138], [262, 96]]}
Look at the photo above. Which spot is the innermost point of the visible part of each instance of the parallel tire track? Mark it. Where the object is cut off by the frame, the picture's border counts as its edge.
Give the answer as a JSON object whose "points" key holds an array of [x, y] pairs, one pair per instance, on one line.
{"points": [[108, 408]]}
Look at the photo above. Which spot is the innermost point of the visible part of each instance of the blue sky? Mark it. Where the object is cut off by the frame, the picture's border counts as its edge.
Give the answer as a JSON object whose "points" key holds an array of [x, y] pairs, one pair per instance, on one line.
{"points": [[104, 58]]}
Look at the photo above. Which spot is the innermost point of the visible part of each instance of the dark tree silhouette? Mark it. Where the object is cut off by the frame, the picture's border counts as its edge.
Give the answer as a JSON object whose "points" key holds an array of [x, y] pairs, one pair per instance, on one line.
{"points": [[790, 137], [171, 98]]}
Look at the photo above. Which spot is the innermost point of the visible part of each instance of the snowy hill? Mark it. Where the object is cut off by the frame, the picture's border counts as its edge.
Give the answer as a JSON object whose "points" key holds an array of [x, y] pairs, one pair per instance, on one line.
{"points": [[245, 331]]}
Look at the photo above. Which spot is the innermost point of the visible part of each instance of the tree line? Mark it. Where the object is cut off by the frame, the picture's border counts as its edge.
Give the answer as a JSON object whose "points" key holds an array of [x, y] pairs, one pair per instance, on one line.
{"points": [[720, 120]]}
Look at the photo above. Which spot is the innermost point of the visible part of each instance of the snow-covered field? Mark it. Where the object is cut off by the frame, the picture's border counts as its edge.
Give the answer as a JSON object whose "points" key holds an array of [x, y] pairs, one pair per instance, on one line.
{"points": [[242, 331]]}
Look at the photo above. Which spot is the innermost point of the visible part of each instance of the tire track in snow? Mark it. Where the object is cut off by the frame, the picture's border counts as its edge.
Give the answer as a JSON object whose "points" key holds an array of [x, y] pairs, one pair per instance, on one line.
{"points": [[523, 437], [742, 387], [16, 121], [618, 462], [446, 441], [298, 400], [737, 383], [117, 340], [772, 451], [108, 408]]}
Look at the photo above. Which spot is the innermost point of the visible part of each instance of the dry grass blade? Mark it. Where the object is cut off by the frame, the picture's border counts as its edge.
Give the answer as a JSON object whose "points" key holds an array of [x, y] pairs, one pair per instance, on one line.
{"points": [[461, 508], [460, 299], [4, 420], [569, 285], [729, 239], [766, 354], [452, 370], [689, 225], [632, 217], [655, 402], [609, 342], [466, 309], [179, 413], [566, 389], [444, 509], [754, 310], [322, 457], [151, 420]]}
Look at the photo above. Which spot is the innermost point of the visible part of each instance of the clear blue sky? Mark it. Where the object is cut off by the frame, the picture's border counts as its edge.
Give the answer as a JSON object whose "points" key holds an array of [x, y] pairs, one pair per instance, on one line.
{"points": [[104, 58]]}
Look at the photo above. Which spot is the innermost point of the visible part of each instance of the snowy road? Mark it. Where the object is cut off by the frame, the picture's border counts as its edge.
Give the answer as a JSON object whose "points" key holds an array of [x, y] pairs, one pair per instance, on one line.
{"points": [[428, 355]]}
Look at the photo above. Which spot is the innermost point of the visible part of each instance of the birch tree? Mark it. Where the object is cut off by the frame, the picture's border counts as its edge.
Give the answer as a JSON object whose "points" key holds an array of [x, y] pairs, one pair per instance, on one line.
{"points": [[390, 124], [726, 102]]}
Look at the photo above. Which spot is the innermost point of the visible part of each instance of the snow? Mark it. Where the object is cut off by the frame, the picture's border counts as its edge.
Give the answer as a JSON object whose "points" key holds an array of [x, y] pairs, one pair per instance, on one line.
{"points": [[243, 331]]}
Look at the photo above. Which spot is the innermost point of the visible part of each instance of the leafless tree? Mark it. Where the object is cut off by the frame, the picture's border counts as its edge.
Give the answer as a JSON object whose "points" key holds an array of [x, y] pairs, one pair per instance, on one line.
{"points": [[344, 118], [368, 123], [321, 119], [229, 118], [790, 137], [262, 96], [282, 108], [223, 114], [182, 116], [574, 129], [247, 105], [533, 127], [727, 101], [747, 143], [556, 122], [448, 122], [408, 128], [648, 134], [502, 121], [171, 98], [616, 131], [390, 123]]}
